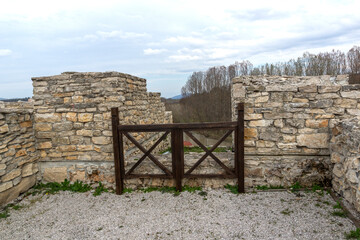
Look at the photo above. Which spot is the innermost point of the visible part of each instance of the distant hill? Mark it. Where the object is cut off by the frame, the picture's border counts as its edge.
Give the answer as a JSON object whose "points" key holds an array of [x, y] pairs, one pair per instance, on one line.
{"points": [[15, 99], [177, 97]]}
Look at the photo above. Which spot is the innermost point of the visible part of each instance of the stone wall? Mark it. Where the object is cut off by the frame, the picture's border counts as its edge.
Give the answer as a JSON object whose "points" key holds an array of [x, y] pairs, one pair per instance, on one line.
{"points": [[18, 155], [288, 122], [73, 121], [345, 156]]}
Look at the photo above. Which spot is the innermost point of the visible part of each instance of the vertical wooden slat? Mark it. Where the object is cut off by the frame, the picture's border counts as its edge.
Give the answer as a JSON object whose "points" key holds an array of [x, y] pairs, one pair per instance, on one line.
{"points": [[118, 151], [177, 156], [239, 149]]}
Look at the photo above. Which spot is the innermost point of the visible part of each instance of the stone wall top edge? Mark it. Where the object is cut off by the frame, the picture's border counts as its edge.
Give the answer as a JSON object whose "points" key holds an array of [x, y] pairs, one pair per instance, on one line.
{"points": [[69, 75], [266, 80], [16, 107]]}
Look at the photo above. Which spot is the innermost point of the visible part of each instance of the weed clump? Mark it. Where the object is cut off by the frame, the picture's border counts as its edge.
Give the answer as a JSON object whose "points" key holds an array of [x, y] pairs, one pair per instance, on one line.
{"points": [[353, 234]]}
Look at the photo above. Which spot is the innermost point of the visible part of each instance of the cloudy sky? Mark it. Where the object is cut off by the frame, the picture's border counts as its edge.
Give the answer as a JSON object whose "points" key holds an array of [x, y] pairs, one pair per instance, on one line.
{"points": [[162, 41]]}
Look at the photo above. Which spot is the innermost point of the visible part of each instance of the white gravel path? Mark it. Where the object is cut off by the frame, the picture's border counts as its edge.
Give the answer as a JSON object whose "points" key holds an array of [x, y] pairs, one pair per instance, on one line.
{"points": [[155, 215]]}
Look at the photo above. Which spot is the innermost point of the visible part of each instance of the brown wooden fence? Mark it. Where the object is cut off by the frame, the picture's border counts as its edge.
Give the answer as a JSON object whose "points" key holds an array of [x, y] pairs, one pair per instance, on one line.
{"points": [[177, 130]]}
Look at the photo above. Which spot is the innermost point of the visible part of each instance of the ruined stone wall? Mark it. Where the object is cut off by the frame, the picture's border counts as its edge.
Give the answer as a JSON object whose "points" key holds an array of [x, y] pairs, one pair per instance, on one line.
{"points": [[73, 121], [287, 125], [18, 155], [345, 156]]}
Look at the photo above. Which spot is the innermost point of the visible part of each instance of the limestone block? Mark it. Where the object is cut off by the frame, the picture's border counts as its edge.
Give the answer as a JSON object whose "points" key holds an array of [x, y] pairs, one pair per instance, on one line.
{"points": [[260, 123], [324, 103], [101, 140], [77, 99], [355, 112], [55, 174], [308, 89], [250, 133], [64, 126], [21, 152], [352, 94], [262, 99], [11, 175], [26, 124], [78, 175], [249, 117], [281, 88], [5, 186], [328, 89], [4, 128], [238, 91], [315, 140], [85, 147], [335, 157], [29, 169], [85, 117], [44, 145], [316, 123], [351, 176], [47, 117], [71, 116], [84, 132], [43, 127], [67, 148], [338, 170], [14, 192], [327, 95]]}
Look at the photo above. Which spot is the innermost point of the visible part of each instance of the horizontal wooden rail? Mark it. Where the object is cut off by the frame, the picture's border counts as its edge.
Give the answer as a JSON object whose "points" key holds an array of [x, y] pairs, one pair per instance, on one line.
{"points": [[182, 126]]}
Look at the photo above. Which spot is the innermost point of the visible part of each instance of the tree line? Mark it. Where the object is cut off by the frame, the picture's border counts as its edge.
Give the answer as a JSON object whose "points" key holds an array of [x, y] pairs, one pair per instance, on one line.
{"points": [[207, 97]]}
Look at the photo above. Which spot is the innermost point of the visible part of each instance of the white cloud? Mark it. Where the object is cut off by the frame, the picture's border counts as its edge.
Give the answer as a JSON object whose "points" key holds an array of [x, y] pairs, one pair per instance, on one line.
{"points": [[182, 39], [5, 52], [120, 34], [151, 51], [180, 58]]}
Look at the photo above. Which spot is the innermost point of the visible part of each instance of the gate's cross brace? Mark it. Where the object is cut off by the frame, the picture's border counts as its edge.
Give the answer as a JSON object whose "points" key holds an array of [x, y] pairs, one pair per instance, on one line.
{"points": [[209, 153], [147, 153]]}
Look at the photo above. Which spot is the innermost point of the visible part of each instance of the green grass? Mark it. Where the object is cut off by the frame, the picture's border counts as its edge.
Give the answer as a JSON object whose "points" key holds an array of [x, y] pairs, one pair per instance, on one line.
{"points": [[100, 189], [232, 188], [337, 205], [353, 234], [295, 187], [5, 213], [172, 190], [339, 214], [78, 186], [54, 187], [265, 187]]}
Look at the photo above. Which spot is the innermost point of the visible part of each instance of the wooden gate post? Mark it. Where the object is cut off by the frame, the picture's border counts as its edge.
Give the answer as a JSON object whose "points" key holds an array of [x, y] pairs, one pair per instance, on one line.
{"points": [[118, 151], [177, 151], [239, 149]]}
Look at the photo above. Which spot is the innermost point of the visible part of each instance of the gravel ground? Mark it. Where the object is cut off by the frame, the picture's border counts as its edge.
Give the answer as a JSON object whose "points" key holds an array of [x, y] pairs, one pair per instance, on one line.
{"points": [[218, 215]]}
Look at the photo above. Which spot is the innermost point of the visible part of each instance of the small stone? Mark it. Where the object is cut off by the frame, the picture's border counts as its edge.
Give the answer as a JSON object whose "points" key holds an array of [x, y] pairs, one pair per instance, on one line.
{"points": [[85, 117]]}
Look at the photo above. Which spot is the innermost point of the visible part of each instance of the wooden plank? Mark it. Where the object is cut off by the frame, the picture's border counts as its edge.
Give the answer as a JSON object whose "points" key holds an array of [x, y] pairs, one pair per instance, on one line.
{"points": [[152, 158], [240, 149], [147, 153], [162, 176], [183, 126], [209, 176], [177, 148], [117, 151], [209, 152]]}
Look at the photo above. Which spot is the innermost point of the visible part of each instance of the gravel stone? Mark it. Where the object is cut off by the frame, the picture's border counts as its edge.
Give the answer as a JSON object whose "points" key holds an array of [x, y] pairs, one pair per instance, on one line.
{"points": [[217, 215]]}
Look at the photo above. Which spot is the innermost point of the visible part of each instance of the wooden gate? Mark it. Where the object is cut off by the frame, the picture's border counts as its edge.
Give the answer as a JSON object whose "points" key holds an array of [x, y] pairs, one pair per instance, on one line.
{"points": [[177, 130]]}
